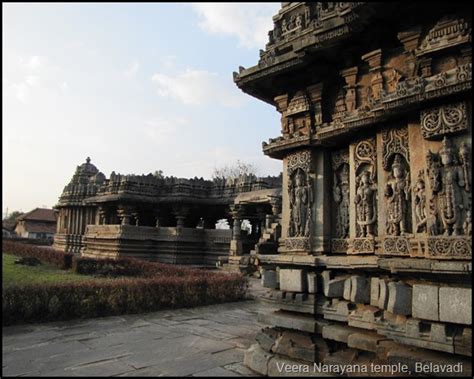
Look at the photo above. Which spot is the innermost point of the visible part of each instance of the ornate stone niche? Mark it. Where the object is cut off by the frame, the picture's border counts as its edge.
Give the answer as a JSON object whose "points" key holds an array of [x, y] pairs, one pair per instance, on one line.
{"points": [[340, 191], [300, 194], [449, 223], [446, 119], [298, 115], [365, 197], [397, 192]]}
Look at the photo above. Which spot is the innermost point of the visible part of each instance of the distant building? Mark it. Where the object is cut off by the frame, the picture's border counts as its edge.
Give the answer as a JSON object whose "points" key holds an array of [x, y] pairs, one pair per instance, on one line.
{"points": [[6, 233], [40, 223]]}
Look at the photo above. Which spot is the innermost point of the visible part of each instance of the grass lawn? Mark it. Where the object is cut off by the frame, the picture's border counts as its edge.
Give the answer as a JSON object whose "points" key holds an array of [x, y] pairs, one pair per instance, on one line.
{"points": [[15, 274]]}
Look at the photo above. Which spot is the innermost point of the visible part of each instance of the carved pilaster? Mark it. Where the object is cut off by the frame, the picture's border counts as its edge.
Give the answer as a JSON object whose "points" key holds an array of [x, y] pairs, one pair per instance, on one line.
{"points": [[350, 76], [410, 40], [340, 192], [315, 94], [374, 59], [364, 195], [300, 194]]}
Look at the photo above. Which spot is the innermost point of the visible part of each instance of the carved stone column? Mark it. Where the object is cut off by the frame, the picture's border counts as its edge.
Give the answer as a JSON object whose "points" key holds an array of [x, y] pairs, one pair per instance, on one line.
{"points": [[125, 214], [136, 216], [236, 242], [156, 214], [180, 213], [102, 215]]}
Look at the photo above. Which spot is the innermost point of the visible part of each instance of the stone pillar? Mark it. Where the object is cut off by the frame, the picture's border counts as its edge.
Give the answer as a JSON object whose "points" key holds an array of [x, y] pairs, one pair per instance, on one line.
{"points": [[156, 214], [236, 248], [136, 216], [268, 221], [180, 213], [125, 214]]}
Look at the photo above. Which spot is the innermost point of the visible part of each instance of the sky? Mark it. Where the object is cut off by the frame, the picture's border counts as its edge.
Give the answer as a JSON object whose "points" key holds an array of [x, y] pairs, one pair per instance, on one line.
{"points": [[136, 87]]}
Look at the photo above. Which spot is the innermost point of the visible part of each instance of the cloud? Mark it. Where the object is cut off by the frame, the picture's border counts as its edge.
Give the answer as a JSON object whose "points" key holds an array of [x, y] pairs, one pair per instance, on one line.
{"points": [[133, 68], [164, 129], [250, 22], [168, 61], [33, 63], [198, 87], [29, 76]]}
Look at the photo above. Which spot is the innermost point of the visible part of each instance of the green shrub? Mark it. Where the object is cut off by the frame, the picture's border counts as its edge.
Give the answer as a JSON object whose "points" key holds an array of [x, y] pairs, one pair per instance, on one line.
{"points": [[44, 254]]}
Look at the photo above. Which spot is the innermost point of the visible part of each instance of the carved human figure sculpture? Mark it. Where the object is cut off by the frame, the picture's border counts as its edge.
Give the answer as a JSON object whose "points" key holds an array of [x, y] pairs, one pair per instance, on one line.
{"points": [[419, 193], [365, 204], [299, 199], [448, 182], [341, 197], [397, 195]]}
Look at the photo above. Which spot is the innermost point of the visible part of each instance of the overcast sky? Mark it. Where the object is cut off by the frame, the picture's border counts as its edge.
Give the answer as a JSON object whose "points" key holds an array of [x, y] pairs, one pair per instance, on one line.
{"points": [[137, 87]]}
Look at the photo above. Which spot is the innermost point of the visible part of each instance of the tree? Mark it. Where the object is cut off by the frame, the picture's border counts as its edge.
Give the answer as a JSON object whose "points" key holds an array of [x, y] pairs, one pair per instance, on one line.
{"points": [[158, 174], [9, 222], [235, 170], [12, 216]]}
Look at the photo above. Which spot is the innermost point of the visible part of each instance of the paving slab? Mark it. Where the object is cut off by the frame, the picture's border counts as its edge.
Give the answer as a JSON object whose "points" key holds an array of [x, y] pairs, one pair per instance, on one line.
{"points": [[201, 341]]}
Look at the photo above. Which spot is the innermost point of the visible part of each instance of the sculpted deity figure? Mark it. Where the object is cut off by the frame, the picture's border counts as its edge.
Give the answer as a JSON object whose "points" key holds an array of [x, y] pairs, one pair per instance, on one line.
{"points": [[397, 195], [299, 200], [449, 183], [467, 226], [365, 204], [341, 197], [420, 203]]}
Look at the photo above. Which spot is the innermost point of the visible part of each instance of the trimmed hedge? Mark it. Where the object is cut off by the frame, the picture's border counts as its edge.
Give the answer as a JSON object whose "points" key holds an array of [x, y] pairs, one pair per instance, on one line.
{"points": [[130, 267], [98, 298], [44, 254], [143, 287]]}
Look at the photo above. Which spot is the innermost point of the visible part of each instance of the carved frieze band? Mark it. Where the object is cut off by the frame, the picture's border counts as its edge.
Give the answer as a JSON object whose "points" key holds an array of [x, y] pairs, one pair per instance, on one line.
{"points": [[398, 246], [298, 244], [449, 248], [362, 246], [443, 120]]}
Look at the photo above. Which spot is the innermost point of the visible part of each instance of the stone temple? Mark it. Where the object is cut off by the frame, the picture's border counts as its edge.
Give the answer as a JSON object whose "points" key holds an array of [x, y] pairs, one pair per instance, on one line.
{"points": [[168, 219], [374, 259], [364, 243]]}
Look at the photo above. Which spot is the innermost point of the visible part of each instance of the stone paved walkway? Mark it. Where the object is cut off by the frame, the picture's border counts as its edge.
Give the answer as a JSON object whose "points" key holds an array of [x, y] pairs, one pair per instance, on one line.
{"points": [[203, 341]]}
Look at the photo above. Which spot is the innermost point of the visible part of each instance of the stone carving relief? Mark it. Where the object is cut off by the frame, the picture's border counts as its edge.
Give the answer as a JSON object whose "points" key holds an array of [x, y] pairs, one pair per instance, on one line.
{"points": [[449, 222], [419, 198], [443, 120], [366, 189], [394, 141], [340, 166], [449, 177], [341, 198], [397, 189], [447, 32], [301, 199], [397, 195]]}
